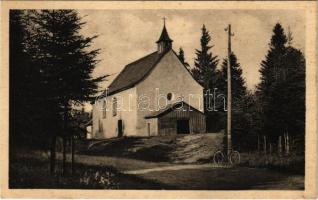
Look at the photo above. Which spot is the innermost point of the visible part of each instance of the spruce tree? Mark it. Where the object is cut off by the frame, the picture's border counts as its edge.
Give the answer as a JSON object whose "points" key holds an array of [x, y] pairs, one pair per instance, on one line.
{"points": [[182, 59], [25, 82], [65, 60], [282, 88], [205, 64], [238, 82], [270, 83], [206, 74], [293, 92], [239, 99], [19, 80]]}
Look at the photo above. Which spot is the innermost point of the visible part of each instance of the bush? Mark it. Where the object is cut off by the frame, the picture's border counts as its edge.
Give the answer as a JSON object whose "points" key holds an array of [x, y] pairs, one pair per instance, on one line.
{"points": [[291, 163]]}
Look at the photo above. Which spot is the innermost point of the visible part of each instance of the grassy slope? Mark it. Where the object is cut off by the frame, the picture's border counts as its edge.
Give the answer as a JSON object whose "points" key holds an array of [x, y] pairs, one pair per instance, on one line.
{"points": [[173, 149]]}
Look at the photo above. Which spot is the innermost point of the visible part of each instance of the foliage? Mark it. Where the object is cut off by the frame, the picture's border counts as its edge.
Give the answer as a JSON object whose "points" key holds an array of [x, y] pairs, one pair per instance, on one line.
{"points": [[57, 73], [32, 114], [182, 59], [241, 100], [292, 164], [205, 64], [238, 82], [282, 89]]}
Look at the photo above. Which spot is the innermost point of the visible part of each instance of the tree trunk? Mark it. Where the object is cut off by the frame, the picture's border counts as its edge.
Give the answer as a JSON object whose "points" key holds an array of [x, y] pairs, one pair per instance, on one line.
{"points": [[280, 145], [265, 145], [72, 152], [287, 143], [64, 138], [64, 157], [258, 144], [53, 155]]}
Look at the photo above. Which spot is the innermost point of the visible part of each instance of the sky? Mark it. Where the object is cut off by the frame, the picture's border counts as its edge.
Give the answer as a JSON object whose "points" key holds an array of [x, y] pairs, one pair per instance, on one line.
{"points": [[127, 35]]}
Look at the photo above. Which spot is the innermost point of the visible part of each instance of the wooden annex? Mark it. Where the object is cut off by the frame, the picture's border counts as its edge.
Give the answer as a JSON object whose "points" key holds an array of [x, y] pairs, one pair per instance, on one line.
{"points": [[178, 118]]}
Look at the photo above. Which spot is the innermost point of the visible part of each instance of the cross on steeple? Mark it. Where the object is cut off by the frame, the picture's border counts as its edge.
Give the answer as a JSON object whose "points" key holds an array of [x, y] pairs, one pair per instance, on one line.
{"points": [[164, 20], [164, 42]]}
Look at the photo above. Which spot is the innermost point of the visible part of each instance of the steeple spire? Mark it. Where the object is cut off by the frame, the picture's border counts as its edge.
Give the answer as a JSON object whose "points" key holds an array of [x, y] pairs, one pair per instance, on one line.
{"points": [[164, 42]]}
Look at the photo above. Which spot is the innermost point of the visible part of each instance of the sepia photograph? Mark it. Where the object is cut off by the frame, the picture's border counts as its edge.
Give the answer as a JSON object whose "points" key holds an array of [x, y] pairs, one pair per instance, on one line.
{"points": [[195, 99]]}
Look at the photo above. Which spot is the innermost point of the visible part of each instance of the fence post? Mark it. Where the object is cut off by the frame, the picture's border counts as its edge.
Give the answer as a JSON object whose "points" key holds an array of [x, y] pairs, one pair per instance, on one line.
{"points": [[258, 144], [64, 156], [265, 145], [72, 153], [280, 145], [287, 143], [53, 155]]}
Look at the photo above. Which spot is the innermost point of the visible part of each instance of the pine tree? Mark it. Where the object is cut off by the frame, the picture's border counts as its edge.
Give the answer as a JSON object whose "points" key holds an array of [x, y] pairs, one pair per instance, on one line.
{"points": [[65, 57], [206, 74], [19, 81], [282, 88], [182, 59], [205, 64], [293, 93], [66, 61], [239, 99], [238, 82], [270, 67], [25, 83], [270, 79]]}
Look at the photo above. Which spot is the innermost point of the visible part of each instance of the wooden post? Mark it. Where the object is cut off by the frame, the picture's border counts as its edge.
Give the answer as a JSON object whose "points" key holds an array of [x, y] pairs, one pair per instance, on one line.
{"points": [[265, 145], [258, 144], [229, 92], [53, 155], [280, 145], [72, 152], [287, 143], [64, 156], [270, 148]]}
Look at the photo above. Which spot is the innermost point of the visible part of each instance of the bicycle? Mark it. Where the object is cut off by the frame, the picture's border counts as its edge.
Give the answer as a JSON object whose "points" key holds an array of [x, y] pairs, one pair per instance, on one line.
{"points": [[234, 157]]}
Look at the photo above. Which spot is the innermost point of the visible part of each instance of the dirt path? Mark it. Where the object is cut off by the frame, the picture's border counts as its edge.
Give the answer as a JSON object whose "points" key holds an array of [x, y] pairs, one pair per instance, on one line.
{"points": [[199, 176], [240, 178], [195, 176], [174, 168]]}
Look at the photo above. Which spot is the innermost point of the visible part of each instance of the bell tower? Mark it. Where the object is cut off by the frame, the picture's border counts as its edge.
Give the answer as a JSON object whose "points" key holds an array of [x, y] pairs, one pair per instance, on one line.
{"points": [[164, 43]]}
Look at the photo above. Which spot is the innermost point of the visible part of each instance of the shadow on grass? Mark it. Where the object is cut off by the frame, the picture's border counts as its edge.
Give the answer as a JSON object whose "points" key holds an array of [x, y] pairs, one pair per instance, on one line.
{"points": [[31, 173]]}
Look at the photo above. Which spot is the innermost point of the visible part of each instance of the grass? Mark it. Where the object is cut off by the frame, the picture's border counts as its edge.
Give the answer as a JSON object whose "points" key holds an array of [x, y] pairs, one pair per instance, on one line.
{"points": [[155, 149], [26, 172], [99, 164], [30, 172], [173, 149], [291, 164], [238, 178]]}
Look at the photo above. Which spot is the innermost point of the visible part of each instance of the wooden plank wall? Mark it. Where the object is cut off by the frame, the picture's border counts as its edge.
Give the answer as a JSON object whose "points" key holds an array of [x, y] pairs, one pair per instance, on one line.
{"points": [[167, 124]]}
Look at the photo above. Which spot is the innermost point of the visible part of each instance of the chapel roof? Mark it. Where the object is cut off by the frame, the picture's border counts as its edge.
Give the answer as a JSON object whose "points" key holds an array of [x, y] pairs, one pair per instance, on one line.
{"points": [[171, 107], [134, 72]]}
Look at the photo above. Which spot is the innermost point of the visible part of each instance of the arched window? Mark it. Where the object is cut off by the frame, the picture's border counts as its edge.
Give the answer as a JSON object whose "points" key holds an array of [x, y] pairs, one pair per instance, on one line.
{"points": [[104, 109], [114, 106]]}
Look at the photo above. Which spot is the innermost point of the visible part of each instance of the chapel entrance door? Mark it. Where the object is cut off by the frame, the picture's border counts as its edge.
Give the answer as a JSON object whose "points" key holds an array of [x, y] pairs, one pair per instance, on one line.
{"points": [[120, 128]]}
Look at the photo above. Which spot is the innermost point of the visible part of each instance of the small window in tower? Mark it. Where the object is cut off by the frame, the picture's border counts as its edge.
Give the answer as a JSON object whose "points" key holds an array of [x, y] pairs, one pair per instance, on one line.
{"points": [[169, 96]]}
